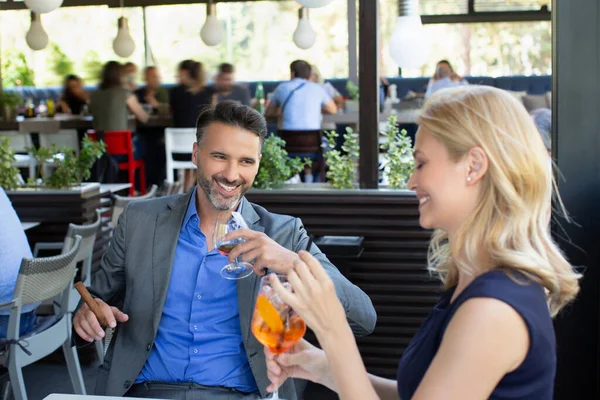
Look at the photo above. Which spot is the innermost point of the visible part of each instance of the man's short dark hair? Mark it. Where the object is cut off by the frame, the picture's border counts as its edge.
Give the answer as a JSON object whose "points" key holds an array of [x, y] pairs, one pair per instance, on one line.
{"points": [[226, 68], [232, 113], [301, 69]]}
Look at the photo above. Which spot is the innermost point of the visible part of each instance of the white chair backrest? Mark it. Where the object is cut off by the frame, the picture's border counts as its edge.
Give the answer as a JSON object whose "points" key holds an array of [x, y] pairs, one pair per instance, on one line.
{"points": [[18, 141], [63, 138], [121, 202], [44, 278], [179, 140]]}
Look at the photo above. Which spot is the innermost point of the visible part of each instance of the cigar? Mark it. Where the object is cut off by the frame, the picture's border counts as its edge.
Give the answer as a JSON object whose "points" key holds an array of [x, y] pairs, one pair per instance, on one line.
{"points": [[91, 303]]}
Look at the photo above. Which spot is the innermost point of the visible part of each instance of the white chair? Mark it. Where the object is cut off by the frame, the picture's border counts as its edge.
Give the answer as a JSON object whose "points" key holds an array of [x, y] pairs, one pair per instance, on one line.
{"points": [[53, 135], [179, 140], [42, 279], [19, 142], [120, 202]]}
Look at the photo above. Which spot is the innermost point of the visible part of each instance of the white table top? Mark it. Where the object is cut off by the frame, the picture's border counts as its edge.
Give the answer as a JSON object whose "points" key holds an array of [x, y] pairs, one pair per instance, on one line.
{"points": [[29, 225], [60, 396]]}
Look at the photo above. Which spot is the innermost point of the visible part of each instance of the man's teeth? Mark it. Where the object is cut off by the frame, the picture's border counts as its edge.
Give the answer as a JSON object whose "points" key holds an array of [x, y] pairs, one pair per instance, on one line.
{"points": [[423, 199], [226, 187]]}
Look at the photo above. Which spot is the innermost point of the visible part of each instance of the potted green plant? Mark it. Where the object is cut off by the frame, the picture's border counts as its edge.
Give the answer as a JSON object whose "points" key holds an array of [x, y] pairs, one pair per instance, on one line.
{"points": [[9, 175], [342, 165], [351, 104], [275, 165], [398, 160], [70, 170], [9, 101]]}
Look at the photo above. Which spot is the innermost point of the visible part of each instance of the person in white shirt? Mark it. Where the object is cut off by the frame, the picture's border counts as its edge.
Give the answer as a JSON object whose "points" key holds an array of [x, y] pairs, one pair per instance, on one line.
{"points": [[444, 77]]}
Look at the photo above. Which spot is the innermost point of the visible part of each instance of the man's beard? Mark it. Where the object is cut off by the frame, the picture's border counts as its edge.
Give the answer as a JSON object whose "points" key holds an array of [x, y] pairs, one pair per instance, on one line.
{"points": [[217, 199]]}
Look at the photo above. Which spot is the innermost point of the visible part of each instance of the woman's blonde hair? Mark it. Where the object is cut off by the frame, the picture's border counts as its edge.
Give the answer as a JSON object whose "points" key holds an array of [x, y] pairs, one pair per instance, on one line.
{"points": [[510, 224]]}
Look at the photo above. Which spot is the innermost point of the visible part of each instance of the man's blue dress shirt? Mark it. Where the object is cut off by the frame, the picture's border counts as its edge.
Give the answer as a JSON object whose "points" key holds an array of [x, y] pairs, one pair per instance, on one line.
{"points": [[199, 337]]}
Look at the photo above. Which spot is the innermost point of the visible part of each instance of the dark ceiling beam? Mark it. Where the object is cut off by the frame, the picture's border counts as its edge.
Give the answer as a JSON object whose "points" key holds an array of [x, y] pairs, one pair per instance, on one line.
{"points": [[506, 16], [19, 5]]}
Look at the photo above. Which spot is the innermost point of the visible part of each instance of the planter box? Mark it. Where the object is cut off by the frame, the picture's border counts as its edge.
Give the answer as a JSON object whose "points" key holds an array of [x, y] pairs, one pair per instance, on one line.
{"points": [[55, 209], [392, 268]]}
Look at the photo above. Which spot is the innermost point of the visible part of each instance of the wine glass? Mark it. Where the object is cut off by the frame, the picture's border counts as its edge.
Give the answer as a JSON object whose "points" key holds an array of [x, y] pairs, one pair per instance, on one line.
{"points": [[226, 223], [274, 323]]}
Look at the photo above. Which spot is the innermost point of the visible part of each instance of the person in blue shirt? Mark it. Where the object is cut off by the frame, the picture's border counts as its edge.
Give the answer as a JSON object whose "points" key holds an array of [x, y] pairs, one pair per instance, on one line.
{"points": [[483, 183], [184, 330], [444, 78], [13, 247], [300, 103]]}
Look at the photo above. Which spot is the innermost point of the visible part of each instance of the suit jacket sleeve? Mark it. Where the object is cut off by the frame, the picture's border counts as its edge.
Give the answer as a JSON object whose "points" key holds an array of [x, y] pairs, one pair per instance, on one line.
{"points": [[358, 306], [108, 283]]}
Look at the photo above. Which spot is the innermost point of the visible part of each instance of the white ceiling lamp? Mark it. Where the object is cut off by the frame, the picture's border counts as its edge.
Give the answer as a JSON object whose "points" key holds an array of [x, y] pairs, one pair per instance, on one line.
{"points": [[43, 6], [304, 35], [409, 45], [212, 31], [314, 3], [123, 44], [36, 37]]}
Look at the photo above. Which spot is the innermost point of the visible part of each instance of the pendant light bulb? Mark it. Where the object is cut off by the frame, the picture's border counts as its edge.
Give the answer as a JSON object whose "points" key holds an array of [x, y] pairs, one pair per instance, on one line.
{"points": [[123, 44], [212, 31], [43, 6], [304, 35], [36, 37], [409, 44]]}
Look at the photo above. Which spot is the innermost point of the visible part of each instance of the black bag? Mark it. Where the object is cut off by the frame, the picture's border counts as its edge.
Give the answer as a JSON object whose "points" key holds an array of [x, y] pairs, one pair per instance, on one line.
{"points": [[106, 168]]}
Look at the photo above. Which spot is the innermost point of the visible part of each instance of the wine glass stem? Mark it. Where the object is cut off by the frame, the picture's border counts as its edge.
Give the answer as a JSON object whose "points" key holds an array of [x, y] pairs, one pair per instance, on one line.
{"points": [[275, 395]]}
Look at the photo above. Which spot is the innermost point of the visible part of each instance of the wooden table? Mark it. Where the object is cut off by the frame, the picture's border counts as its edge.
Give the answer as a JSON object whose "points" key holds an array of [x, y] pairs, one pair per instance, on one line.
{"points": [[45, 124]]}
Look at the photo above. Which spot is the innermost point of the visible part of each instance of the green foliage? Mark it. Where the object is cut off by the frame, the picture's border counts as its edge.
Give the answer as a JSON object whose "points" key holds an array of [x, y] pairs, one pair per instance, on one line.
{"points": [[352, 89], [70, 169], [342, 166], [9, 175], [275, 165], [16, 71], [399, 161], [59, 62], [92, 66], [10, 99], [73, 170]]}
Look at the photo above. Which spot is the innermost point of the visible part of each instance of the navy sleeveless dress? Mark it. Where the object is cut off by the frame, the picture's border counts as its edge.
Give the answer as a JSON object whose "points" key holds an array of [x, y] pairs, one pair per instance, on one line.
{"points": [[533, 380]]}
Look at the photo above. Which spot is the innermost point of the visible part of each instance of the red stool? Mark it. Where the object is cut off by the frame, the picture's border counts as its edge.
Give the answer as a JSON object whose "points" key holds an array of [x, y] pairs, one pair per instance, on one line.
{"points": [[120, 143]]}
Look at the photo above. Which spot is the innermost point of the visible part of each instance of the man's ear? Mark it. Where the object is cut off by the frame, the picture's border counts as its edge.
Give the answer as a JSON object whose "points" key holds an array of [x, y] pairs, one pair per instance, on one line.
{"points": [[195, 150]]}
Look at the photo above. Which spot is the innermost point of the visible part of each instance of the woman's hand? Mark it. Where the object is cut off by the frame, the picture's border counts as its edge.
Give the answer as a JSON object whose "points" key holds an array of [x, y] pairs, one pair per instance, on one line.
{"points": [[313, 297], [303, 361]]}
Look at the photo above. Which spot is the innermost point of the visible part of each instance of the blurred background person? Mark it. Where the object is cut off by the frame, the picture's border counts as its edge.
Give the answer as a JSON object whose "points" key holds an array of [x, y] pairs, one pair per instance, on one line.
{"points": [[191, 95], [74, 97], [316, 77], [130, 75], [187, 100], [111, 102], [226, 87], [153, 93], [543, 121], [13, 247], [443, 78]]}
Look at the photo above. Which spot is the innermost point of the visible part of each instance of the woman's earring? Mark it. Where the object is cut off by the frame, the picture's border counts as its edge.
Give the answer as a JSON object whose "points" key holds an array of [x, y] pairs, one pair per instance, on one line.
{"points": [[468, 179]]}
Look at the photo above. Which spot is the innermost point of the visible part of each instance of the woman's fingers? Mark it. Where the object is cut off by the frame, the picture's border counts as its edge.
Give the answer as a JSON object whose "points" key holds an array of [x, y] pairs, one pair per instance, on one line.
{"points": [[285, 295], [315, 267]]}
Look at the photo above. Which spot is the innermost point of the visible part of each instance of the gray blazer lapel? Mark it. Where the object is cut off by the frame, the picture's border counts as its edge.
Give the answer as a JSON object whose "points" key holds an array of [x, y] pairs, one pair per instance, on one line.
{"points": [[248, 287], [168, 225]]}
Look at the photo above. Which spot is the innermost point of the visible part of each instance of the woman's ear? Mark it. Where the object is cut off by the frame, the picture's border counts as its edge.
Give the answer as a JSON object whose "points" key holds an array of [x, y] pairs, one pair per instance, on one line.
{"points": [[477, 164]]}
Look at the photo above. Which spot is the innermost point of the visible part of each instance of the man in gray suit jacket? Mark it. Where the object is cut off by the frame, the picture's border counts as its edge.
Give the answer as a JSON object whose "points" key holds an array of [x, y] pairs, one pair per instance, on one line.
{"points": [[182, 330]]}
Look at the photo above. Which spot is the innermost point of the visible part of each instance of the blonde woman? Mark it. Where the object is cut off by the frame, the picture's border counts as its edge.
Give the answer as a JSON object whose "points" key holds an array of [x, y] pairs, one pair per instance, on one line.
{"points": [[483, 184]]}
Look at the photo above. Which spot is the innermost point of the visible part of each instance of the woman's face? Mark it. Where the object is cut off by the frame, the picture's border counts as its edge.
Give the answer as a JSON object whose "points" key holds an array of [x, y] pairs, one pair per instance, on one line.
{"points": [[75, 87], [445, 195], [184, 77]]}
